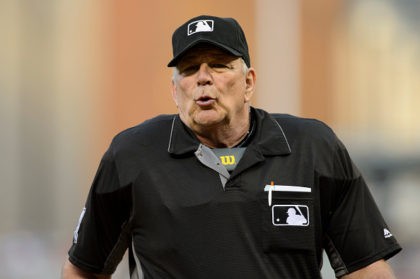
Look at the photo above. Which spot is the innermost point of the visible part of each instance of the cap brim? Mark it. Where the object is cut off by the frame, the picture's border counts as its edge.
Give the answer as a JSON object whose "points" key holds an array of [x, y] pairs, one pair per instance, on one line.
{"points": [[175, 60]]}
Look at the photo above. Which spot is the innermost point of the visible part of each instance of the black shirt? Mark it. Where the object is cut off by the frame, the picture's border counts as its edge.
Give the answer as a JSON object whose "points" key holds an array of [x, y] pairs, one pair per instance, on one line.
{"points": [[153, 195]]}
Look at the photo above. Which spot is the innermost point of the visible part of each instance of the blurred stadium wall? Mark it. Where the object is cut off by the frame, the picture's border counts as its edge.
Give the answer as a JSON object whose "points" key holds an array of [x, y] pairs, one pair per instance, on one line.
{"points": [[74, 73]]}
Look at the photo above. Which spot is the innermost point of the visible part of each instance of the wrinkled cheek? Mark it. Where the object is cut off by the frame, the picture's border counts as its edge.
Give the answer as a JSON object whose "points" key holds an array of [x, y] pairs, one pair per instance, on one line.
{"points": [[181, 100], [238, 87], [187, 109]]}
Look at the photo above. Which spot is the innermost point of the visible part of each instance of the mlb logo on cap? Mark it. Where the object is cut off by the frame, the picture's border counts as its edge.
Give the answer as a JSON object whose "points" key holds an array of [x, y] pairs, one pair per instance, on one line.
{"points": [[224, 33], [205, 25]]}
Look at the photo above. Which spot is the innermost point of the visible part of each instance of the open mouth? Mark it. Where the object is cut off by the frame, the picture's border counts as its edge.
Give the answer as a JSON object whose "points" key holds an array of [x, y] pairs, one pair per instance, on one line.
{"points": [[205, 101]]}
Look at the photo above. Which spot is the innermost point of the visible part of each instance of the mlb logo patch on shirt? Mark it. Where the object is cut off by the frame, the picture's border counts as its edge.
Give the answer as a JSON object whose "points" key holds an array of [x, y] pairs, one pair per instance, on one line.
{"points": [[290, 215], [205, 25]]}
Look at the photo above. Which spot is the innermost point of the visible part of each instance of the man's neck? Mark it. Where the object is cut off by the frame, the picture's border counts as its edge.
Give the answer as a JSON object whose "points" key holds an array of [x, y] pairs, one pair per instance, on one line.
{"points": [[224, 135]]}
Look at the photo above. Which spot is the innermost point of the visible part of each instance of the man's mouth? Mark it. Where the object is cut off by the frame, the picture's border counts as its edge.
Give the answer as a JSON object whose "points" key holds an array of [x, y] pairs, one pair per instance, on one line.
{"points": [[205, 101]]}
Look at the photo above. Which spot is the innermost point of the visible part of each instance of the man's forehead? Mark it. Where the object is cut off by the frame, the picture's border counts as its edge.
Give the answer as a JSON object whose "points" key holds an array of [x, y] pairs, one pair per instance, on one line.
{"points": [[206, 52]]}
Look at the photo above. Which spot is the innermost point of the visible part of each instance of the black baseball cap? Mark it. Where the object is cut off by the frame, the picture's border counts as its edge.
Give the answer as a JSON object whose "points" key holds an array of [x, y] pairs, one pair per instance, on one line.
{"points": [[225, 33]]}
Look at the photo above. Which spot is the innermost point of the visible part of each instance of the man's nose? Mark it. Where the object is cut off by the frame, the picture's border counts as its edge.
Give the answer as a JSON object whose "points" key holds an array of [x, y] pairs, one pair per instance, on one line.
{"points": [[204, 75]]}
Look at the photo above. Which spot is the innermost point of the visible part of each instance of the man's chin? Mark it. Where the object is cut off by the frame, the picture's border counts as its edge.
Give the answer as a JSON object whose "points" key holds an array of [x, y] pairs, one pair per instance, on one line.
{"points": [[207, 117], [208, 120], [206, 123]]}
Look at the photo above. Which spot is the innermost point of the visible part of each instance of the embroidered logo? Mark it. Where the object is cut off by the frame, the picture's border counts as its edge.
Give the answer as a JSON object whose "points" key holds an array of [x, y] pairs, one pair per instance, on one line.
{"points": [[228, 160], [290, 215], [76, 231], [229, 157], [387, 233], [205, 25]]}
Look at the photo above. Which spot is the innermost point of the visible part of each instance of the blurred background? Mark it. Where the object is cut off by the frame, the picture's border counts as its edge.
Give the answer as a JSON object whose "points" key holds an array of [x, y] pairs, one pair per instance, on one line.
{"points": [[74, 73]]}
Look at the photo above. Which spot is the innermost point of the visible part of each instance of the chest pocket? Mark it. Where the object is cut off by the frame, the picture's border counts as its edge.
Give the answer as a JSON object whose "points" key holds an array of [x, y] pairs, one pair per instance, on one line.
{"points": [[287, 222]]}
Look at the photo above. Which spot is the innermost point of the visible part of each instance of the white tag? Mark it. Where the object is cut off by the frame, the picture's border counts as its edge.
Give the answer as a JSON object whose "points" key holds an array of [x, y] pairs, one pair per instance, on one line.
{"points": [[286, 188], [270, 195], [283, 188]]}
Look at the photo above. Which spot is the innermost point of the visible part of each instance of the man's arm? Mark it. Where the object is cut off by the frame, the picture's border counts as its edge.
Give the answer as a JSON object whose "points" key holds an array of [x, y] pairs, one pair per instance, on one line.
{"points": [[377, 270], [70, 271]]}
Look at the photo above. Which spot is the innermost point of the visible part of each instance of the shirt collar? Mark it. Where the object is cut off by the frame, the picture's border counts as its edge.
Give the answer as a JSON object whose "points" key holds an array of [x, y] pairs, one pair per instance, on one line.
{"points": [[181, 140], [269, 136]]}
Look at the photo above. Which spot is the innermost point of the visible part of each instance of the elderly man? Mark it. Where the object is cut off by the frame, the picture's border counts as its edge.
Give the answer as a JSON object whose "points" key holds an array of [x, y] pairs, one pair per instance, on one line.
{"points": [[206, 193]]}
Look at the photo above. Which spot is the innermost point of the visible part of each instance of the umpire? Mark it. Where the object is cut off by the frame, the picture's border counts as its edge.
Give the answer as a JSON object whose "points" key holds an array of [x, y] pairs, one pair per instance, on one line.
{"points": [[226, 190]]}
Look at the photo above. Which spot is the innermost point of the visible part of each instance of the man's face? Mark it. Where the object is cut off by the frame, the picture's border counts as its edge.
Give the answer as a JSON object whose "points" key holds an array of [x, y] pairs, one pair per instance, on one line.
{"points": [[211, 88]]}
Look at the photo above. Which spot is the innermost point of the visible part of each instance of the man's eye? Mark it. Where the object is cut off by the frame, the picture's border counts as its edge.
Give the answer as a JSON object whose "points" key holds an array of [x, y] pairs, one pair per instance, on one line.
{"points": [[189, 70], [218, 66]]}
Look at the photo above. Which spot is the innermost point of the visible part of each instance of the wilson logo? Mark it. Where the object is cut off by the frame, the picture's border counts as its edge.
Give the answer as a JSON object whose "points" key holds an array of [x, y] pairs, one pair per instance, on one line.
{"points": [[227, 160]]}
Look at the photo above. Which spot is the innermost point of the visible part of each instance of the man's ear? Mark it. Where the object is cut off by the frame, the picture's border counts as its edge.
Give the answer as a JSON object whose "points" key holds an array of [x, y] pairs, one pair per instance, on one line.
{"points": [[250, 80], [173, 91]]}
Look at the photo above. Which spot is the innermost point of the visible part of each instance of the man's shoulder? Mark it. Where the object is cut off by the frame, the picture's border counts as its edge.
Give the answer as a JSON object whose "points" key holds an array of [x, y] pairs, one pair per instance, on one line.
{"points": [[152, 125], [147, 132], [301, 124], [300, 128], [132, 148]]}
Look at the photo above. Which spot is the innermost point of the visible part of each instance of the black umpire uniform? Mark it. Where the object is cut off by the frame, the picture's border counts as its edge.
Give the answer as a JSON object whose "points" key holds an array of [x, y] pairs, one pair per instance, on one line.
{"points": [[265, 209]]}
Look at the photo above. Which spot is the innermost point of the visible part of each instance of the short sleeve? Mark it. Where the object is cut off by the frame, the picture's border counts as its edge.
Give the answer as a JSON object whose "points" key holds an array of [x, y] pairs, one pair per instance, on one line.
{"points": [[357, 234], [102, 234]]}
